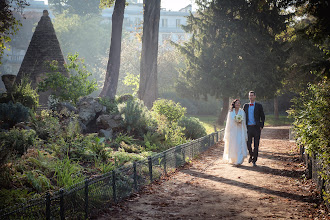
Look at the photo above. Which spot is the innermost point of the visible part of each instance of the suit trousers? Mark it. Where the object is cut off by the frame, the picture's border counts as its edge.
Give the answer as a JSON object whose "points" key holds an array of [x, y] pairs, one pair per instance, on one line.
{"points": [[253, 133]]}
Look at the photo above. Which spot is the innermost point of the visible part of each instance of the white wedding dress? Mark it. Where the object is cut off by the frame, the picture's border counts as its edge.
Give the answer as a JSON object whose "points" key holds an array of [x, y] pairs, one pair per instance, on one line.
{"points": [[235, 139]]}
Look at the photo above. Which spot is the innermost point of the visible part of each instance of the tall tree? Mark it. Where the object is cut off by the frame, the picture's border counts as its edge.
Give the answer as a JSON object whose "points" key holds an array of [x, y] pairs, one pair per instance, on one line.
{"points": [[232, 50], [148, 90], [112, 74]]}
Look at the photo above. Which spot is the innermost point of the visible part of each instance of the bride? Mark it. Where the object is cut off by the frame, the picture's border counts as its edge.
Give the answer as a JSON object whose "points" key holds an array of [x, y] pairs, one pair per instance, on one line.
{"points": [[235, 135]]}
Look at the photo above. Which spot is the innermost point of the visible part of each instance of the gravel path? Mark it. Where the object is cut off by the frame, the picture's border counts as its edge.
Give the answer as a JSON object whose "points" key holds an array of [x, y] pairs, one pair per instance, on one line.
{"points": [[209, 188]]}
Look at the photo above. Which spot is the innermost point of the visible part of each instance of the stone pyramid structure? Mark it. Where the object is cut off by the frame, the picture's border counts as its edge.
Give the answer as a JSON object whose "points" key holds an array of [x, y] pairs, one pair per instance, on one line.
{"points": [[44, 47]]}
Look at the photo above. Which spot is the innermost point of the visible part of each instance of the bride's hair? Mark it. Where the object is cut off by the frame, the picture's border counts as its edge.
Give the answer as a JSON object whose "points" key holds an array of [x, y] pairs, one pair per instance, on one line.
{"points": [[232, 106]]}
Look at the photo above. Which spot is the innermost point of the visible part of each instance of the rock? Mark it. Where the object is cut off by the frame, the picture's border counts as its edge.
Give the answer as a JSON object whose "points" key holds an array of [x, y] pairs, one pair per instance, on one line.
{"points": [[106, 122], [65, 105], [117, 117], [107, 134], [88, 108]]}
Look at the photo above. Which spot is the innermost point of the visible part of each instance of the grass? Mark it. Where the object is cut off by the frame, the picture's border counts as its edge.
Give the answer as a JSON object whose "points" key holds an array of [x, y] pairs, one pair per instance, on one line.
{"points": [[283, 120], [210, 120]]}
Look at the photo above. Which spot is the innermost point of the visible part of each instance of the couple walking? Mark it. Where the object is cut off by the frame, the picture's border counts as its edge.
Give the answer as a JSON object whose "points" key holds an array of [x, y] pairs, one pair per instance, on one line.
{"points": [[242, 126]]}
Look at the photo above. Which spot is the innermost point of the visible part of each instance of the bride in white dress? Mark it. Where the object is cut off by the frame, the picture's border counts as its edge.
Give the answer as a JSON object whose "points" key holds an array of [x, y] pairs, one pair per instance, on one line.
{"points": [[235, 137]]}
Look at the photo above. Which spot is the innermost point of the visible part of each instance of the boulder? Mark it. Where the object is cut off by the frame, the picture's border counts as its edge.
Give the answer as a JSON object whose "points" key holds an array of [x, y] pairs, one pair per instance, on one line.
{"points": [[88, 108], [65, 105], [106, 122], [107, 134]]}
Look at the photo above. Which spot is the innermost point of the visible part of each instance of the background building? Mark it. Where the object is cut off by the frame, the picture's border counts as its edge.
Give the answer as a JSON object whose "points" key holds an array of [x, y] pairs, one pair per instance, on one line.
{"points": [[169, 24]]}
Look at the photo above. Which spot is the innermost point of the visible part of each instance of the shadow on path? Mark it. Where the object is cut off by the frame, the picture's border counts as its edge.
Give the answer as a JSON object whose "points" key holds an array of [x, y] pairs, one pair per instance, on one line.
{"points": [[274, 171], [249, 186]]}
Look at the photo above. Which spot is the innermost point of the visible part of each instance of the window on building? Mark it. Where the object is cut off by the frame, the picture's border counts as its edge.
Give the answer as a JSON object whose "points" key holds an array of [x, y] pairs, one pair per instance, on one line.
{"points": [[178, 23], [164, 22]]}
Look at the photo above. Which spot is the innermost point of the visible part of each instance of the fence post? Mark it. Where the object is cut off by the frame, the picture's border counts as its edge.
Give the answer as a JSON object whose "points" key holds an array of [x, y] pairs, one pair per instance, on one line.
{"points": [[86, 198], [114, 186], [62, 211], [165, 168], [184, 153], [47, 206], [135, 176], [217, 136], [150, 168]]}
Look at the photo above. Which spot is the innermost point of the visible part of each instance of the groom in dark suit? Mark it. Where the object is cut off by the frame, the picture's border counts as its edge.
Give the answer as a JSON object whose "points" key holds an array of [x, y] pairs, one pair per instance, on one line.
{"points": [[255, 119]]}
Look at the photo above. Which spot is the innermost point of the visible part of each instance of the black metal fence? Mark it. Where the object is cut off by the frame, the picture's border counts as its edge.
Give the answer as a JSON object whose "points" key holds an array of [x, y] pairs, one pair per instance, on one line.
{"points": [[91, 195]]}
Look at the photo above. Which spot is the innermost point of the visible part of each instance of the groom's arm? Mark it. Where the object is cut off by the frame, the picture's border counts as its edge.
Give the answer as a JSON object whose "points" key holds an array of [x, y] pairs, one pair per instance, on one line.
{"points": [[262, 116]]}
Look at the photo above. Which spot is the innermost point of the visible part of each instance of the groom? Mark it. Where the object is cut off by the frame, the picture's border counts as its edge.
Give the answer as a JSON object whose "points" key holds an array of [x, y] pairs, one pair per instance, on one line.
{"points": [[255, 119]]}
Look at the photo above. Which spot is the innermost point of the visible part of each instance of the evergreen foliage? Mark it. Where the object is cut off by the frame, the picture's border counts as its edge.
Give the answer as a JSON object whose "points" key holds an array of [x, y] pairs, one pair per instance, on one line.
{"points": [[22, 93], [11, 114], [193, 127], [232, 49], [16, 140], [136, 117], [171, 110]]}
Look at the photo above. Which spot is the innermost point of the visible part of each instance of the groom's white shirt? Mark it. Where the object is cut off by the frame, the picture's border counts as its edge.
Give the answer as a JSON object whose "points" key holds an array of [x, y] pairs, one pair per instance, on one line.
{"points": [[251, 121]]}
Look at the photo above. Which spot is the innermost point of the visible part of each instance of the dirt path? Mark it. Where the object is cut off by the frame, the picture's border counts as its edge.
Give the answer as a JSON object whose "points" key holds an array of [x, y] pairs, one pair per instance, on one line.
{"points": [[209, 188]]}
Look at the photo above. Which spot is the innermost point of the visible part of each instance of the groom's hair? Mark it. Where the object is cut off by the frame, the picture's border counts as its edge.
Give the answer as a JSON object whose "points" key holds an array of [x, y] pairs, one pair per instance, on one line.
{"points": [[253, 92]]}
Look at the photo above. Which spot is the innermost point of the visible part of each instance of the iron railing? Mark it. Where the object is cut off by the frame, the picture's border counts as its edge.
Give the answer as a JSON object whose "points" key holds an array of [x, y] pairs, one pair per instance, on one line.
{"points": [[87, 197]]}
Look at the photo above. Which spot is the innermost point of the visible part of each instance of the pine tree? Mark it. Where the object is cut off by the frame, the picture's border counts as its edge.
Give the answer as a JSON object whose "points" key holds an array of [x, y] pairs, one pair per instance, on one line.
{"points": [[232, 50]]}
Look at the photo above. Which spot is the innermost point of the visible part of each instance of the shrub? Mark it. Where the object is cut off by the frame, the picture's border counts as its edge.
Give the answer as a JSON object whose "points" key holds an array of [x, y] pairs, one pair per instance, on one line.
{"points": [[193, 127], [69, 88], [68, 173], [46, 124], [124, 98], [136, 117], [172, 111], [23, 93], [171, 132], [18, 140], [11, 114], [312, 124], [110, 104]]}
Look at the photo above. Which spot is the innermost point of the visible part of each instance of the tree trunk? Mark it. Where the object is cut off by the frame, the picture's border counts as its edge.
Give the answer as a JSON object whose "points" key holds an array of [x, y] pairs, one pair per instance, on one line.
{"points": [[276, 107], [148, 89], [224, 111], [112, 75]]}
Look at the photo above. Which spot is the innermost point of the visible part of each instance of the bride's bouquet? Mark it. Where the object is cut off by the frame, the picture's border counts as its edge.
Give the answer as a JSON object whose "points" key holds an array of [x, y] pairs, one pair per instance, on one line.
{"points": [[238, 118]]}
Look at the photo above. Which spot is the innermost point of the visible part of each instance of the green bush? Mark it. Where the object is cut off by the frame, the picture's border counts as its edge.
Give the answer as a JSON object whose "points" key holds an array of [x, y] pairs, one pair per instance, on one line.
{"points": [[193, 127], [69, 88], [110, 104], [68, 173], [11, 114], [46, 125], [136, 118], [171, 132], [17, 140], [172, 111], [312, 124], [124, 98], [23, 93]]}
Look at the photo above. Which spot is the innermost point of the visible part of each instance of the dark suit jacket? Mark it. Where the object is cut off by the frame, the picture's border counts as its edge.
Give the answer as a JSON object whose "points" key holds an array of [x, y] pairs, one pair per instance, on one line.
{"points": [[259, 115]]}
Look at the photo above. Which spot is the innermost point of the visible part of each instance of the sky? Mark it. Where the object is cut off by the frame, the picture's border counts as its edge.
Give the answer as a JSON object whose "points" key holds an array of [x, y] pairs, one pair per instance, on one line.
{"points": [[173, 5]]}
